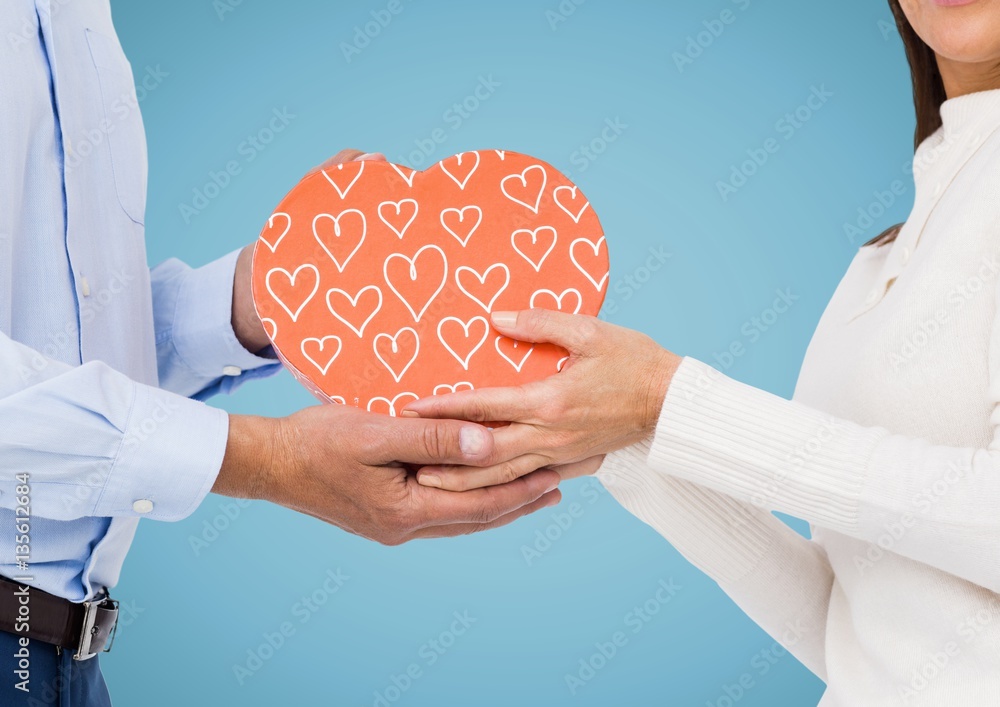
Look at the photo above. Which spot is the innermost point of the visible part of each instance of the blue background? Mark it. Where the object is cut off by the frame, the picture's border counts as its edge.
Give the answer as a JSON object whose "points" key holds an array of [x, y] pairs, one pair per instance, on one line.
{"points": [[561, 76]]}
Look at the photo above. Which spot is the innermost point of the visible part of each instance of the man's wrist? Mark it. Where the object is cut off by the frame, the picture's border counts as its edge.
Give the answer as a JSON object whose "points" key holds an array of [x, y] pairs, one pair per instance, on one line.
{"points": [[250, 466]]}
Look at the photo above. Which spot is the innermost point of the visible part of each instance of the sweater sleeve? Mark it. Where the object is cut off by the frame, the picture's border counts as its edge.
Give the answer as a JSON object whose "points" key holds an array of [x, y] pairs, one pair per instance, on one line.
{"points": [[935, 504], [778, 578]]}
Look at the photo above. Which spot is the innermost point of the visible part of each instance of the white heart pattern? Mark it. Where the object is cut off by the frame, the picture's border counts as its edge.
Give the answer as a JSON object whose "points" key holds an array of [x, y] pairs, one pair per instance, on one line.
{"points": [[270, 224], [466, 328], [321, 344], [522, 179]]}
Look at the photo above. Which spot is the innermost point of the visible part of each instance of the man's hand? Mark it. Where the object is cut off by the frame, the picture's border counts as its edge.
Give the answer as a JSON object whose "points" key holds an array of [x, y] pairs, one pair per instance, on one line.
{"points": [[246, 323], [348, 467]]}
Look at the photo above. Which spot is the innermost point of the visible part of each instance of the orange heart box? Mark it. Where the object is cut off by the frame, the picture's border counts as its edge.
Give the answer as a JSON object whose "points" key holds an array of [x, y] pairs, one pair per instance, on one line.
{"points": [[375, 282]]}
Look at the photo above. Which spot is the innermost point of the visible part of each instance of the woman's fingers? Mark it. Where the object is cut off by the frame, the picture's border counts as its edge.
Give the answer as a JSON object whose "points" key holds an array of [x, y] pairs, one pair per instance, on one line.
{"points": [[485, 405], [466, 478], [574, 332], [518, 440]]}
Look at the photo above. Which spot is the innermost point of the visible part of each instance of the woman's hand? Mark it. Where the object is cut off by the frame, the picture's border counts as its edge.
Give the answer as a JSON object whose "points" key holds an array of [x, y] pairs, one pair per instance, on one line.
{"points": [[607, 396]]}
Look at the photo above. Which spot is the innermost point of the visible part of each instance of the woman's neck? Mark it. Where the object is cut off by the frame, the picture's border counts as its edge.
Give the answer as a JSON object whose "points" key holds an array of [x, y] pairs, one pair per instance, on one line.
{"points": [[961, 78]]}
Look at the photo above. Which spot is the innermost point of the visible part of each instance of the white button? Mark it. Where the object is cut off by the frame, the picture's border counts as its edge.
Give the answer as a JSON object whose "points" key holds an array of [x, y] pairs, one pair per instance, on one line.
{"points": [[937, 190], [904, 255], [976, 139], [84, 286], [69, 147], [143, 505], [231, 370], [872, 297]]}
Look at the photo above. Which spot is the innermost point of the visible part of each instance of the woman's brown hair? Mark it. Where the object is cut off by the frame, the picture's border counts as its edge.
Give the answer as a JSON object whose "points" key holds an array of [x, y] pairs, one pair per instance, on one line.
{"points": [[928, 94]]}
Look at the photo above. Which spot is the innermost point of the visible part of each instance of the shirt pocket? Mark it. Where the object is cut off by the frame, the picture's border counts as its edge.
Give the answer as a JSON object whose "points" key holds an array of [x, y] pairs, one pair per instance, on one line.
{"points": [[123, 123]]}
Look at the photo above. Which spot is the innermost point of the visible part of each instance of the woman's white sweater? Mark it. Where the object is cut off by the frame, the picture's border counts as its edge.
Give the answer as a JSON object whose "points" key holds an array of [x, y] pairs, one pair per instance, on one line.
{"points": [[889, 448]]}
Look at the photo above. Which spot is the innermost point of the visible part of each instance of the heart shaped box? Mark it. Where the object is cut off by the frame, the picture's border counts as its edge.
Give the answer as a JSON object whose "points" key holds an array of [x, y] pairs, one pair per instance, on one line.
{"points": [[375, 282]]}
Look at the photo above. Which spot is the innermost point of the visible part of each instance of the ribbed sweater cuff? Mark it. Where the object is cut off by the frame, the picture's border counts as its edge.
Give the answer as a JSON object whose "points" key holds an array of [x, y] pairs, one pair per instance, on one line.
{"points": [[721, 536], [763, 449]]}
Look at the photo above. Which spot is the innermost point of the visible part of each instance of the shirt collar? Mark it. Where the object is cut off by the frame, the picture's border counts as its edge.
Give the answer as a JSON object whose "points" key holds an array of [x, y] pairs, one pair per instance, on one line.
{"points": [[967, 122], [980, 110]]}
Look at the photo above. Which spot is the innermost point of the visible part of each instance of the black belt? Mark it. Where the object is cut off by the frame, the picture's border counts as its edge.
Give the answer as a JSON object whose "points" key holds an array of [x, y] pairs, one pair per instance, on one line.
{"points": [[83, 628]]}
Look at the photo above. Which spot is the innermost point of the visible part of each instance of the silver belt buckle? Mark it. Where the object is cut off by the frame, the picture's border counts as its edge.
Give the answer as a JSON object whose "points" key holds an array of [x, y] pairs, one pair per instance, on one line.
{"points": [[88, 639]]}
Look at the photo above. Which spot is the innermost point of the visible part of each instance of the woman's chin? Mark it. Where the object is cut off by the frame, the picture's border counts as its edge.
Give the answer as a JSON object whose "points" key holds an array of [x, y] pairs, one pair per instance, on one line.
{"points": [[968, 33], [974, 47]]}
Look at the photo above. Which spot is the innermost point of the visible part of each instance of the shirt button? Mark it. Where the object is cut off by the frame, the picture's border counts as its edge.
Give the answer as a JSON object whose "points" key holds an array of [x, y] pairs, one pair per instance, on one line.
{"points": [[143, 505], [904, 255], [84, 286], [872, 297], [231, 370], [937, 190]]}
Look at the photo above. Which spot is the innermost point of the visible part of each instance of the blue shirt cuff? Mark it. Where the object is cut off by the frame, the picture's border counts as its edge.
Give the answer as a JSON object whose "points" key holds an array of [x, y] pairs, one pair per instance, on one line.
{"points": [[203, 333], [170, 455]]}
